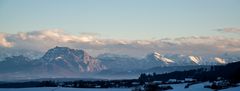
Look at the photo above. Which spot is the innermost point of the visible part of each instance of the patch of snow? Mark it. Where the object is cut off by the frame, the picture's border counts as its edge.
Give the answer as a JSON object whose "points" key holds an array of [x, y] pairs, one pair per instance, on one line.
{"points": [[166, 60], [220, 60], [161, 58], [195, 59], [58, 58], [157, 54], [176, 87]]}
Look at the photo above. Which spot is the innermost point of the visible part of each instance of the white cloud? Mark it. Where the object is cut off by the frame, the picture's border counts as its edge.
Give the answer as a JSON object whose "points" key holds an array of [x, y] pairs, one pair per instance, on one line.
{"points": [[53, 35], [4, 42], [211, 44], [45, 39]]}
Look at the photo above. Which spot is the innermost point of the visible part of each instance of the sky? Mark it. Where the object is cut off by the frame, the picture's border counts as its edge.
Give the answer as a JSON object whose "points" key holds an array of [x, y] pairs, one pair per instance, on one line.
{"points": [[132, 27], [121, 19]]}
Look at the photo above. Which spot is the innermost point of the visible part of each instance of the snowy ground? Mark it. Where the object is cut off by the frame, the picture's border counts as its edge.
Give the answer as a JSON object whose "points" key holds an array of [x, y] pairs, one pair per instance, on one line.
{"points": [[176, 87], [232, 89], [198, 87], [63, 89], [195, 87]]}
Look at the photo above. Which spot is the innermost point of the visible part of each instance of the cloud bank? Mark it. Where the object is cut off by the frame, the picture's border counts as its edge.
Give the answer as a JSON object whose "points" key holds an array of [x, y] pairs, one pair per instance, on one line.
{"points": [[229, 30], [44, 39]]}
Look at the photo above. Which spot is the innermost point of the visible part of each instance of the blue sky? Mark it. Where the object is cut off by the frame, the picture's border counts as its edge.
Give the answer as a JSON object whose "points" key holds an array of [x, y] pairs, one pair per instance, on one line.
{"points": [[121, 19]]}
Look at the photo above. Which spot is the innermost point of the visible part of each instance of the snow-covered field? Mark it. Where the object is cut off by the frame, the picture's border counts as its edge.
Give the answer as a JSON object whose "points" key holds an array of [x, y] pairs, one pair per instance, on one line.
{"points": [[63, 89], [176, 87], [232, 89], [198, 87]]}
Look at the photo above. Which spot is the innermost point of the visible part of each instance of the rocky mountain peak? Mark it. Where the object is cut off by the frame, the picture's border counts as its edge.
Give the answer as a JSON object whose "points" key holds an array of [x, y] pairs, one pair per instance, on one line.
{"points": [[71, 59], [63, 52]]}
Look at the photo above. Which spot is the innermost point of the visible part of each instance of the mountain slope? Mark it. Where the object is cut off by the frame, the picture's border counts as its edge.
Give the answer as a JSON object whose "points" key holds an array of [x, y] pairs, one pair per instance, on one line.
{"points": [[15, 64], [126, 63], [58, 61], [71, 59], [120, 62]]}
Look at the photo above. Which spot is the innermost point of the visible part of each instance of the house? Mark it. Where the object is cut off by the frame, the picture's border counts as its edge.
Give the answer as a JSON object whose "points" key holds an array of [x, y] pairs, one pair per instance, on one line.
{"points": [[135, 83], [190, 80], [172, 81]]}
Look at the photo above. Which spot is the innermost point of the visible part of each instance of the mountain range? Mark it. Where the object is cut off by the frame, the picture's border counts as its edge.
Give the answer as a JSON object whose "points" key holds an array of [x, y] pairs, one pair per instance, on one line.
{"points": [[156, 59], [64, 62]]}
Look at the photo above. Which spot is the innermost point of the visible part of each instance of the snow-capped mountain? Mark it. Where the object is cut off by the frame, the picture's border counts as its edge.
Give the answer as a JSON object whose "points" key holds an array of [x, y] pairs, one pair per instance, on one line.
{"points": [[202, 60], [155, 59], [72, 59], [63, 61], [230, 57], [60, 61], [159, 59], [181, 60]]}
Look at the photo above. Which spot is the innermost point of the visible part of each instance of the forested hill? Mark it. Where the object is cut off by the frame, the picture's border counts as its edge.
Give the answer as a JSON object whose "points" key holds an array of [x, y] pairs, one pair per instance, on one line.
{"points": [[230, 72]]}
